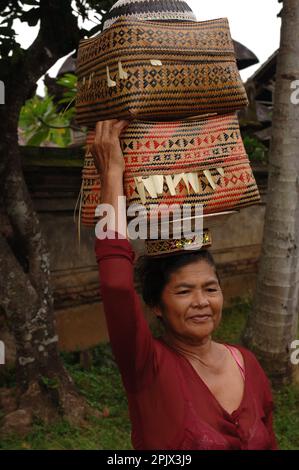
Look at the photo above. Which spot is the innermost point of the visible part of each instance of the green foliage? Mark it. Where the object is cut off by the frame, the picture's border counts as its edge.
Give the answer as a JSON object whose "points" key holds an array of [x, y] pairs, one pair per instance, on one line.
{"points": [[41, 123], [49, 383], [287, 417], [233, 321], [103, 390], [256, 150], [69, 82]]}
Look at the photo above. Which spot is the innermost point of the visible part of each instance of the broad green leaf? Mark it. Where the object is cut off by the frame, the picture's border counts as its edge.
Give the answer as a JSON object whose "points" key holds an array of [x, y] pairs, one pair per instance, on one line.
{"points": [[38, 138]]}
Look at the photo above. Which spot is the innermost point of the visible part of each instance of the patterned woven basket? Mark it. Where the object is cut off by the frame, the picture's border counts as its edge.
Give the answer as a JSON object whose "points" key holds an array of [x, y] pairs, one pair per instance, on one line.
{"points": [[188, 162], [184, 162], [91, 186], [174, 10], [158, 71]]}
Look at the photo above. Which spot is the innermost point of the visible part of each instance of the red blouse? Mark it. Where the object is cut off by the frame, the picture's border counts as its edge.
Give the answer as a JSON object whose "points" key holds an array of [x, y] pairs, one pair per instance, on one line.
{"points": [[170, 407]]}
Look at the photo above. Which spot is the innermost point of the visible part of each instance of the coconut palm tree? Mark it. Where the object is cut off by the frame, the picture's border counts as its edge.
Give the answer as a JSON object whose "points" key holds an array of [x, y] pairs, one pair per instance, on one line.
{"points": [[272, 326]]}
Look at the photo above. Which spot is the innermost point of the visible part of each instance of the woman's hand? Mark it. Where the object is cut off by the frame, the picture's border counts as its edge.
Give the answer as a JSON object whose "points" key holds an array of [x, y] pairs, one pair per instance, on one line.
{"points": [[107, 153], [109, 161]]}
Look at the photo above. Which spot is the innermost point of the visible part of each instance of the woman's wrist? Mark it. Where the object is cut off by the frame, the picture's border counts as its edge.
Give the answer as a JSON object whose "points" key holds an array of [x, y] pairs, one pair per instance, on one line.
{"points": [[112, 182], [113, 172]]}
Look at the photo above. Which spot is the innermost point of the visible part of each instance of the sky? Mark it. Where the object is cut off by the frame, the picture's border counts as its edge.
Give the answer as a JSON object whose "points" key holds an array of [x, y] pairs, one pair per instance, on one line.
{"points": [[254, 23]]}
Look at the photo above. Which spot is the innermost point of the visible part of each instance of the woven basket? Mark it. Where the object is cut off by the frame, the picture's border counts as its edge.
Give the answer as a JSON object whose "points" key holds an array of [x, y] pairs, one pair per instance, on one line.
{"points": [[158, 71], [174, 10], [184, 162], [91, 186], [188, 162]]}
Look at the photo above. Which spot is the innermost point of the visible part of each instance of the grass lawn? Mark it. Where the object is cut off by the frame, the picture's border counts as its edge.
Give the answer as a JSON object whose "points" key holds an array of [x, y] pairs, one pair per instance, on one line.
{"points": [[102, 387]]}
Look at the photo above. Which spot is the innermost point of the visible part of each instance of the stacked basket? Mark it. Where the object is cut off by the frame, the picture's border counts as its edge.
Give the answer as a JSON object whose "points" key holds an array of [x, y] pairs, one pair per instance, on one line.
{"points": [[177, 80]]}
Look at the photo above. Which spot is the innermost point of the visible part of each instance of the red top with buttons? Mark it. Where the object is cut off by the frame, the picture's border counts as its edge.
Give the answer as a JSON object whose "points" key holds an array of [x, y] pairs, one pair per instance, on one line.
{"points": [[171, 408]]}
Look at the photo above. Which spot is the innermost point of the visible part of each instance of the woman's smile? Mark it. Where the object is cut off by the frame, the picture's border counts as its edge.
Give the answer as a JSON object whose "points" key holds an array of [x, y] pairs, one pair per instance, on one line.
{"points": [[199, 318]]}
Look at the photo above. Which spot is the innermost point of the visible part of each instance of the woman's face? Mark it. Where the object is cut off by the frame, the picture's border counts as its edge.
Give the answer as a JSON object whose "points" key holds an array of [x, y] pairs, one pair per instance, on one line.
{"points": [[192, 302]]}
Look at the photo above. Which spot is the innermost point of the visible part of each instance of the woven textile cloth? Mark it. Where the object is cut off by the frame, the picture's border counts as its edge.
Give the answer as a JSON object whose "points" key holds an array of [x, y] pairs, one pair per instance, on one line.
{"points": [[158, 71], [150, 10], [184, 162]]}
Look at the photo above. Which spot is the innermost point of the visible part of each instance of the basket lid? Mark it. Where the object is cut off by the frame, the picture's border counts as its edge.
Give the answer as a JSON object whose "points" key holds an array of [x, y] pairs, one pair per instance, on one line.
{"points": [[167, 10]]}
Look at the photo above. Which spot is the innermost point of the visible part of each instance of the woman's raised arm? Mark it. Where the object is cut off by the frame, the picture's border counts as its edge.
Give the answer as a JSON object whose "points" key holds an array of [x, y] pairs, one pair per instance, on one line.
{"points": [[130, 337]]}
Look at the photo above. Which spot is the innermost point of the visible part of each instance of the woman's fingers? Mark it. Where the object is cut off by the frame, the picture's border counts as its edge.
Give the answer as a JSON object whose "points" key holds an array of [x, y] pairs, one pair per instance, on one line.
{"points": [[99, 126], [109, 128], [107, 151], [121, 125], [96, 147], [112, 129]]}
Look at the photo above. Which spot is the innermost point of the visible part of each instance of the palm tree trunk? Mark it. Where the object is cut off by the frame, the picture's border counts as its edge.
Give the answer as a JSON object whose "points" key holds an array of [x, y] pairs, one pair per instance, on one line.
{"points": [[273, 324]]}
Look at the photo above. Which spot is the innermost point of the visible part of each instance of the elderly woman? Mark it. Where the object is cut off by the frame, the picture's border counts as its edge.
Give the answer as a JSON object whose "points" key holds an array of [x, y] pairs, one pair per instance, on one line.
{"points": [[185, 391]]}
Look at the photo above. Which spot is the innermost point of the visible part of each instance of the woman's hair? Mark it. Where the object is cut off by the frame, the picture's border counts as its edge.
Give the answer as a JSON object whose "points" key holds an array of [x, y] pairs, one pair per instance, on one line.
{"points": [[154, 273]]}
